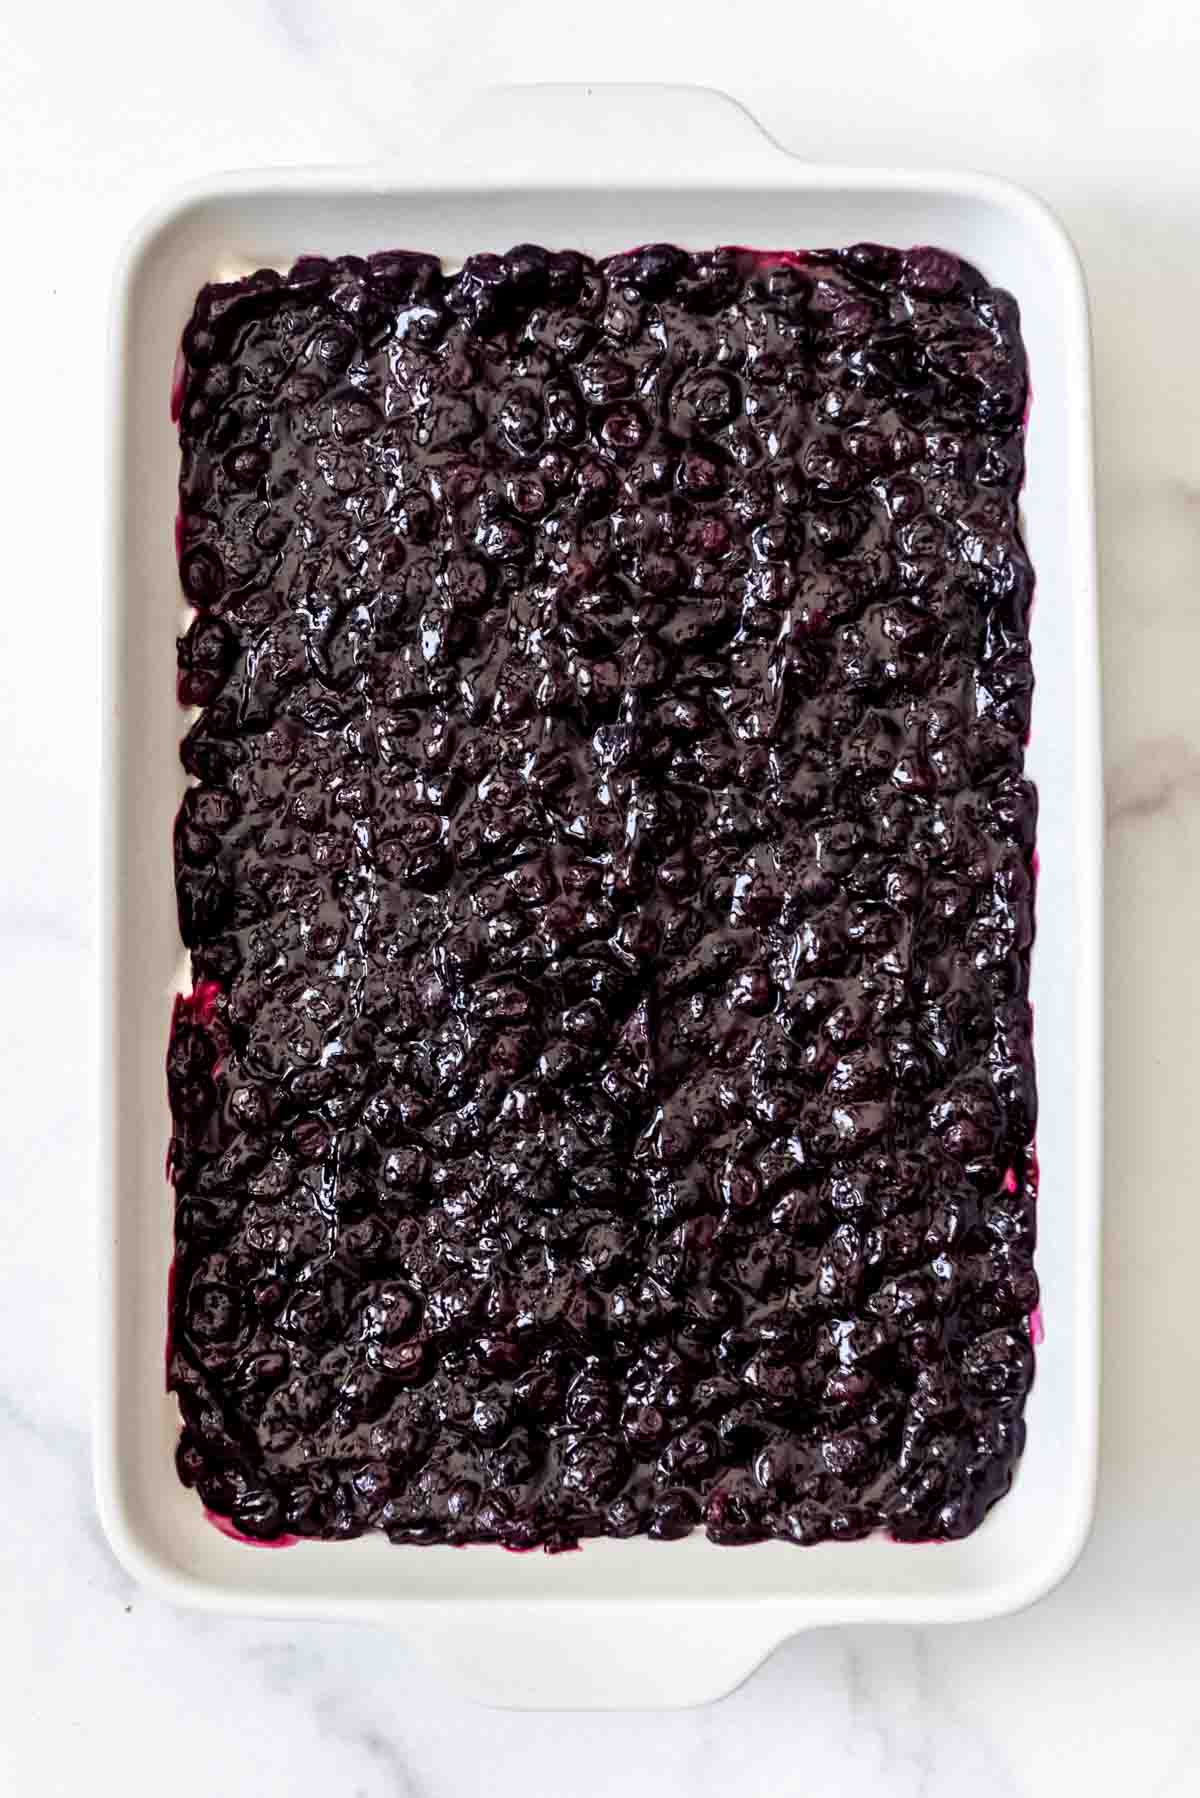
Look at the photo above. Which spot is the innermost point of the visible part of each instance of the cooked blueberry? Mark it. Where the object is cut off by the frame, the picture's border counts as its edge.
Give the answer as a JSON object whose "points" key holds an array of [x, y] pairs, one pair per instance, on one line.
{"points": [[202, 576], [399, 275], [930, 272], [873, 262], [673, 1515], [702, 401], [481, 291], [258, 1512], [247, 464], [624, 429], [214, 1312], [528, 268], [655, 269], [565, 271], [205, 657]]}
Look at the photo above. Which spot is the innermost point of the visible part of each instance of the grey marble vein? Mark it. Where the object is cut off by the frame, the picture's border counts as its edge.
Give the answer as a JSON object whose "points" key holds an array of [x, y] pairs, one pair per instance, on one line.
{"points": [[381, 1750], [1161, 773]]}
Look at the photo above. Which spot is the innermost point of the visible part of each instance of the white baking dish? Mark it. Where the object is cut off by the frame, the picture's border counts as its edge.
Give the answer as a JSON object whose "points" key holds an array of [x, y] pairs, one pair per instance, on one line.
{"points": [[622, 1623]]}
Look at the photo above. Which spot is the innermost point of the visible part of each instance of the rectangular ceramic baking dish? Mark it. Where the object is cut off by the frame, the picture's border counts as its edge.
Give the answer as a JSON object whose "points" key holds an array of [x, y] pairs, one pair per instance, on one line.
{"points": [[630, 1623]]}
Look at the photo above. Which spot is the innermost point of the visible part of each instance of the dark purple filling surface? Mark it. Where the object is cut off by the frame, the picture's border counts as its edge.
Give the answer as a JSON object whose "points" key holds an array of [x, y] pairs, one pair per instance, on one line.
{"points": [[606, 1100]]}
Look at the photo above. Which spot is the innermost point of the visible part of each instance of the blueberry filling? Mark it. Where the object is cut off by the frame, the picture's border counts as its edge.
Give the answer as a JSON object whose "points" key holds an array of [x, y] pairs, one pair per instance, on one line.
{"points": [[606, 1101]]}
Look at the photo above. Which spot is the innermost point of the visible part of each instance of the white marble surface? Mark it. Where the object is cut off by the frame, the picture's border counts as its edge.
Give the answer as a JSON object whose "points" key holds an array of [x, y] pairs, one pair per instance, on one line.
{"points": [[101, 109]]}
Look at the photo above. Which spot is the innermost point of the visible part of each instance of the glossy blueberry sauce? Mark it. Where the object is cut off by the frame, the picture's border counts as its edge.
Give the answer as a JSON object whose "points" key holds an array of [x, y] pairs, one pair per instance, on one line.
{"points": [[606, 1102]]}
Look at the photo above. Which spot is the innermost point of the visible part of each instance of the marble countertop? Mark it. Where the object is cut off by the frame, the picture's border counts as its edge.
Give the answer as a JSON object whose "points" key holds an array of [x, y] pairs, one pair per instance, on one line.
{"points": [[1096, 1688]]}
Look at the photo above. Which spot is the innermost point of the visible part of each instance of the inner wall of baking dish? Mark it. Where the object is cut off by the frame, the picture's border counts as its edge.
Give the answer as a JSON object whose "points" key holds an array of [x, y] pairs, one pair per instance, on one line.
{"points": [[271, 227]]}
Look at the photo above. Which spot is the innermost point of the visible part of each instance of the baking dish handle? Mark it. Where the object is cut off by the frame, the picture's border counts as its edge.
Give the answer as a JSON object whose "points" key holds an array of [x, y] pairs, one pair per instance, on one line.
{"points": [[606, 132], [600, 1655]]}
